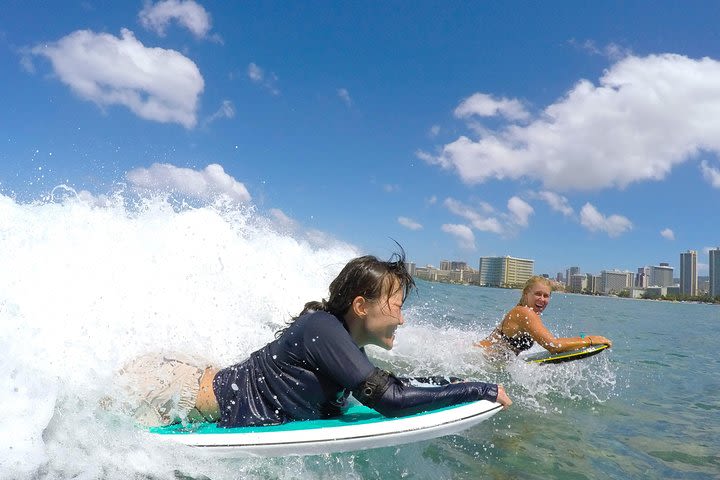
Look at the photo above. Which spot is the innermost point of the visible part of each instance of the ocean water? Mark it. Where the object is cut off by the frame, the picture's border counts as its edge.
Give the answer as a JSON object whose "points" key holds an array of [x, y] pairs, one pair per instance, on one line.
{"points": [[89, 282]]}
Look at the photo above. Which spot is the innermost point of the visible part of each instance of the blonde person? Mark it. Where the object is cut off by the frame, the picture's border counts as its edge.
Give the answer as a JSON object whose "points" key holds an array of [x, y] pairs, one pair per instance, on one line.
{"points": [[522, 326]]}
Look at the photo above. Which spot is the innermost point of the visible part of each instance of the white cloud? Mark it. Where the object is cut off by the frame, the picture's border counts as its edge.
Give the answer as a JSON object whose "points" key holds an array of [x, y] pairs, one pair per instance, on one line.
{"points": [[611, 51], [463, 234], [187, 13], [478, 222], [434, 131], [226, 110], [520, 211], [711, 174], [255, 73], [154, 83], [556, 202], [484, 105], [202, 184], [390, 188], [432, 200], [409, 223], [593, 220], [345, 96], [258, 76], [645, 116], [668, 234]]}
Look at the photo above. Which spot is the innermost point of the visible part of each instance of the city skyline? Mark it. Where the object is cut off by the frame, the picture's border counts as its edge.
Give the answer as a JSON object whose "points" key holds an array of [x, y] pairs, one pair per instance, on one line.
{"points": [[701, 267], [650, 282], [584, 135]]}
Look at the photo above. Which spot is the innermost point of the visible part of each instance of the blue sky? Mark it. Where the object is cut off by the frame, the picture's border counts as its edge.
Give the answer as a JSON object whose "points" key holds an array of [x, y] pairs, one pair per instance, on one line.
{"points": [[573, 134]]}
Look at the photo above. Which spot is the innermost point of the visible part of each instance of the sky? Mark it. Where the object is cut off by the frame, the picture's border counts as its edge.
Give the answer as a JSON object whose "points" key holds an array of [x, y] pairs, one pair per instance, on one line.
{"points": [[575, 134]]}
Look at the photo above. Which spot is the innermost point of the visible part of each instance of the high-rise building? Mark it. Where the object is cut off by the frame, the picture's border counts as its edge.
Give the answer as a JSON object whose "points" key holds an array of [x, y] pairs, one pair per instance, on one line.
{"points": [[615, 281], [661, 276], [505, 271], [456, 265], [444, 265], [688, 273], [642, 278], [577, 282], [593, 283], [714, 255], [410, 266], [570, 272]]}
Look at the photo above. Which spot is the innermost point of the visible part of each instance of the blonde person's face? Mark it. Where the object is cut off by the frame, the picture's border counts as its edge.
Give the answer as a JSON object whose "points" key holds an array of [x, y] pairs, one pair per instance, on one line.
{"points": [[538, 297], [383, 318]]}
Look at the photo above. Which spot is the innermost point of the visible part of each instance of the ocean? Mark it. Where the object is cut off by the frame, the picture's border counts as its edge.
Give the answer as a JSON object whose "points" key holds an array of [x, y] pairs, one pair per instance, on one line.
{"points": [[89, 282]]}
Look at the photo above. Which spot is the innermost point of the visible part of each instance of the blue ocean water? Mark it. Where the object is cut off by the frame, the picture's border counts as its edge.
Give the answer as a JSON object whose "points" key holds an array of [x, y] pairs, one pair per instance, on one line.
{"points": [[87, 283], [648, 408]]}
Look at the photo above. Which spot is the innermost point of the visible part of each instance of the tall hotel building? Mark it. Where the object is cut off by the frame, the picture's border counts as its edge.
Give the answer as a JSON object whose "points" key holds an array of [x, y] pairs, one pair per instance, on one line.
{"points": [[615, 281], [688, 273], [714, 272], [661, 276], [505, 271]]}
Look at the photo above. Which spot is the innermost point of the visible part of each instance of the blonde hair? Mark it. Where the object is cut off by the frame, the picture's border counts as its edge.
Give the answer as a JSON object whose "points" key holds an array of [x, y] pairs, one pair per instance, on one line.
{"points": [[529, 284]]}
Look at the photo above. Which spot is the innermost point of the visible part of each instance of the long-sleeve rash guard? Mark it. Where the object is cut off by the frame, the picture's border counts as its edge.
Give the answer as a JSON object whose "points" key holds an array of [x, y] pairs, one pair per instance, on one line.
{"points": [[308, 373]]}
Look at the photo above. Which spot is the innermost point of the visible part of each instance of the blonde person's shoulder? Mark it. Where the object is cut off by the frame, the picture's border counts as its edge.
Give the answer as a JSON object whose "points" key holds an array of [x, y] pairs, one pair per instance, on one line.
{"points": [[519, 316]]}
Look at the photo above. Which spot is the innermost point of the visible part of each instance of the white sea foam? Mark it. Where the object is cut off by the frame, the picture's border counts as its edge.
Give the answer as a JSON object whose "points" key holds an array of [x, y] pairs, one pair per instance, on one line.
{"points": [[87, 283]]}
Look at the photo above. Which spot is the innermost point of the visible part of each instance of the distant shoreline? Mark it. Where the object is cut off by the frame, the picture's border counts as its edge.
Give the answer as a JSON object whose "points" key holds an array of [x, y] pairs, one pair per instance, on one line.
{"points": [[701, 300]]}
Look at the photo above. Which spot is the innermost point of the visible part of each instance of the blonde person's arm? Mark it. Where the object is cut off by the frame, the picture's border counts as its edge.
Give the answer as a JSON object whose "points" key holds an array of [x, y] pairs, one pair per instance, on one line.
{"points": [[529, 321]]}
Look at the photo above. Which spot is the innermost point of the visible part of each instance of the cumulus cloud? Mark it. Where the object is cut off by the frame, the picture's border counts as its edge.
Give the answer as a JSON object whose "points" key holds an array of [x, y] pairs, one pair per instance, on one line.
{"points": [[593, 220], [557, 202], [645, 116], [477, 221], [154, 83], [484, 105], [409, 223], [257, 75], [202, 184], [187, 13], [668, 234], [345, 96], [462, 233], [711, 174], [520, 211], [434, 131]]}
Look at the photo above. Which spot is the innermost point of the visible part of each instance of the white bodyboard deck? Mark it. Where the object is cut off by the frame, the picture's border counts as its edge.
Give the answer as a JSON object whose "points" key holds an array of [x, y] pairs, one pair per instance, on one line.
{"points": [[357, 429]]}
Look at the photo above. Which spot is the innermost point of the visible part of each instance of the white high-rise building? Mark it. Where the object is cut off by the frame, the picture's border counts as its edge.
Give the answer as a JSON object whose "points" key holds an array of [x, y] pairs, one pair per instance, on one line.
{"points": [[615, 281], [661, 276], [714, 255], [688, 273]]}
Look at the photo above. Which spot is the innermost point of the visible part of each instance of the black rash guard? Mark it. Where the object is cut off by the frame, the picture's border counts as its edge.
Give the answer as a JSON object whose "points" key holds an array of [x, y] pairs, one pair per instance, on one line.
{"points": [[308, 373]]}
